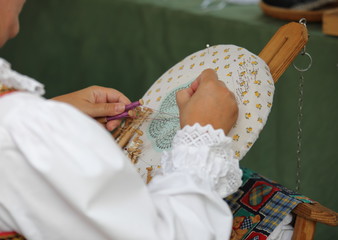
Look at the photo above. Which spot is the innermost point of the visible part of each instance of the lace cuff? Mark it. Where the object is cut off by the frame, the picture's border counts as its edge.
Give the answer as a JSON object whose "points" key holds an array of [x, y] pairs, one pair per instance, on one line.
{"points": [[206, 155], [13, 79]]}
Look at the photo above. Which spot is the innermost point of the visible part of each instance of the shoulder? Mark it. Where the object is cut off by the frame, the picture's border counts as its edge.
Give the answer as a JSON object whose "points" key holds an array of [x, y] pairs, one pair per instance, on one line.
{"points": [[13, 79]]}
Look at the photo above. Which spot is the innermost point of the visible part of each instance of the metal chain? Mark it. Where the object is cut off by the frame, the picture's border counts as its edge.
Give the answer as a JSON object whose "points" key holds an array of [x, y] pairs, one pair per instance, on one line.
{"points": [[300, 112], [300, 131]]}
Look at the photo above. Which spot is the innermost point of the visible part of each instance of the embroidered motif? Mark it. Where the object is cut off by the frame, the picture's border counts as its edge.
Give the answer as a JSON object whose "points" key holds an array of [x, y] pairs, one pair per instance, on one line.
{"points": [[163, 128]]}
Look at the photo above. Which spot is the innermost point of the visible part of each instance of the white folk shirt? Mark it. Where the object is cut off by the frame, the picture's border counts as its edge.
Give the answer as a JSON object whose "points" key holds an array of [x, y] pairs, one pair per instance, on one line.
{"points": [[62, 176]]}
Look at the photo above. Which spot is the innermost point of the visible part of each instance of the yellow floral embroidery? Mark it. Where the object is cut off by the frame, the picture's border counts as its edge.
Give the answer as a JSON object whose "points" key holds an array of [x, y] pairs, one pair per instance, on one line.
{"points": [[215, 60], [235, 137], [258, 94]]}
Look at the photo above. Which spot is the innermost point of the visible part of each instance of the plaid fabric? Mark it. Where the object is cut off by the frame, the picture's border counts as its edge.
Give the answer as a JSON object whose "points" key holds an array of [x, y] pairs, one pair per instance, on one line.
{"points": [[232, 200], [259, 206], [258, 193], [275, 210]]}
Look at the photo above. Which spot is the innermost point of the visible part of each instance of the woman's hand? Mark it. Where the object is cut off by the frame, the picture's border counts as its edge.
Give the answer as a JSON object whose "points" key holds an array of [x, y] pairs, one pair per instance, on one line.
{"points": [[208, 101], [97, 102]]}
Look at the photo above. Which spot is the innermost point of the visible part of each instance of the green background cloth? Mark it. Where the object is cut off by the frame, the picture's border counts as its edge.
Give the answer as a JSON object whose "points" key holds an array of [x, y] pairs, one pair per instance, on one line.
{"points": [[128, 44]]}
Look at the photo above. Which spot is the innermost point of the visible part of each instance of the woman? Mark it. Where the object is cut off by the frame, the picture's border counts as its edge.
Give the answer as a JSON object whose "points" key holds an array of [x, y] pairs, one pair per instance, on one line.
{"points": [[62, 176]]}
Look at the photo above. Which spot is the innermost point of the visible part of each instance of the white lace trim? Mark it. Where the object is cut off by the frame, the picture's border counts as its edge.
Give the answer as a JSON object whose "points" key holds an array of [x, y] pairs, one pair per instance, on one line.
{"points": [[13, 79], [204, 153]]}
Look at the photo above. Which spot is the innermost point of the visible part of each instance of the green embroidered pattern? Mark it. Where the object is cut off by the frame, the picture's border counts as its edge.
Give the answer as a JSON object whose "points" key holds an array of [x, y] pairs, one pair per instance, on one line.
{"points": [[166, 122]]}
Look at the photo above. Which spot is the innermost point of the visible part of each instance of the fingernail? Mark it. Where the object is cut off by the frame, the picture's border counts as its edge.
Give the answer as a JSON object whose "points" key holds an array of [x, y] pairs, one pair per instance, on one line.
{"points": [[119, 107]]}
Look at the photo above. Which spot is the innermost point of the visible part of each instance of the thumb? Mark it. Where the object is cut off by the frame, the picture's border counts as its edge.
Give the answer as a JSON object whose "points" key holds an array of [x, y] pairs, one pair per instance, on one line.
{"points": [[183, 96], [106, 109]]}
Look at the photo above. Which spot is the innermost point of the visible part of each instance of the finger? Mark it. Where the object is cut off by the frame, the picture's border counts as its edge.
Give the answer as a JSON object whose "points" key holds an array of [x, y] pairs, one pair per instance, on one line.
{"points": [[207, 76], [111, 125], [106, 109], [183, 96], [102, 120], [110, 95], [117, 96], [195, 84]]}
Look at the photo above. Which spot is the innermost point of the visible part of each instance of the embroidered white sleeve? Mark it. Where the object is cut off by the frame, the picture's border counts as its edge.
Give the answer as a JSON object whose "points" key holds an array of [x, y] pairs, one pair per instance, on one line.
{"points": [[205, 154], [13, 79]]}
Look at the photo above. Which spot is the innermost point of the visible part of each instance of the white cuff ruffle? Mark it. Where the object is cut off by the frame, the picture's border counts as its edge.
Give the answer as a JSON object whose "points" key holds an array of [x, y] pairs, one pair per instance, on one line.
{"points": [[205, 154], [13, 79]]}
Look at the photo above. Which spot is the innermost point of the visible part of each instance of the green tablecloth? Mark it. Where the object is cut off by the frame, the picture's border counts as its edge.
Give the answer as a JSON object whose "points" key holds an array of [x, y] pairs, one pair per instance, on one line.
{"points": [[128, 44]]}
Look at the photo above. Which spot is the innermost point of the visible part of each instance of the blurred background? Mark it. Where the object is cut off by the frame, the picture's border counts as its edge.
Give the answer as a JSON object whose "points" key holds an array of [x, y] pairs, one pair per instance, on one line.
{"points": [[129, 44]]}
